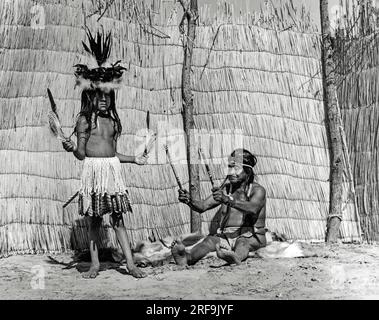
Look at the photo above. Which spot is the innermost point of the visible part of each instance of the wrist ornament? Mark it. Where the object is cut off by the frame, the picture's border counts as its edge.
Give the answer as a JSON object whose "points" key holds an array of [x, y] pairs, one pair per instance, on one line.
{"points": [[230, 201]]}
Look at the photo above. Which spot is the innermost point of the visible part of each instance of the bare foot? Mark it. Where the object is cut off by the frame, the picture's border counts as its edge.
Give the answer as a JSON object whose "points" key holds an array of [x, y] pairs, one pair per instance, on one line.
{"points": [[136, 273], [179, 253], [92, 273], [228, 256]]}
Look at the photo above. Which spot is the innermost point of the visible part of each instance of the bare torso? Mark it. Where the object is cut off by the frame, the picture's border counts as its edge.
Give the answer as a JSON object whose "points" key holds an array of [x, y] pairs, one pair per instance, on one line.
{"points": [[101, 143], [238, 218]]}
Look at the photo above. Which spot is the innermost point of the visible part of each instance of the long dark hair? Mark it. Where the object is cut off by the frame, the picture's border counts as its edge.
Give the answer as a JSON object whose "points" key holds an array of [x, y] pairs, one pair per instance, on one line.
{"points": [[88, 109], [247, 158]]}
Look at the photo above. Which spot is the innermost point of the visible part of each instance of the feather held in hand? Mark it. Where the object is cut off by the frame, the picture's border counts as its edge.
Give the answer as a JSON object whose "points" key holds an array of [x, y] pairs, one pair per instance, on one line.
{"points": [[54, 123], [52, 102], [55, 126], [150, 141]]}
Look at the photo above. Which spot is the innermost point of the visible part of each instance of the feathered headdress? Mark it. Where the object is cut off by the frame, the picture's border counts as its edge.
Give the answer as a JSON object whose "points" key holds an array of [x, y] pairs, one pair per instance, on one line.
{"points": [[102, 76]]}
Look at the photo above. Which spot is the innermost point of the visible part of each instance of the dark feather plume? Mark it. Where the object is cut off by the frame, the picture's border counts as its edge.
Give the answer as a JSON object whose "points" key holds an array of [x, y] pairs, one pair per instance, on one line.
{"points": [[99, 46], [52, 102]]}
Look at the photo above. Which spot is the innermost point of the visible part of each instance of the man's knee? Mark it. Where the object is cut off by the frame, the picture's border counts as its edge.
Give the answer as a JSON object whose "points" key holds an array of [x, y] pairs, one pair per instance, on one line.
{"points": [[255, 243], [210, 242], [242, 243]]}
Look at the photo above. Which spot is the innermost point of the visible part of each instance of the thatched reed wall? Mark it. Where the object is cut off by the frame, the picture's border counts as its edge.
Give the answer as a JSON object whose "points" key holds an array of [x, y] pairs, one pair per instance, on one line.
{"points": [[356, 56], [359, 101], [37, 175], [271, 81], [258, 79]]}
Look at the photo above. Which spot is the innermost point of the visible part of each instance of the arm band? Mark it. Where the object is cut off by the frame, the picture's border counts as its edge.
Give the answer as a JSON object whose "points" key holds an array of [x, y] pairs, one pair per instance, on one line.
{"points": [[231, 201]]}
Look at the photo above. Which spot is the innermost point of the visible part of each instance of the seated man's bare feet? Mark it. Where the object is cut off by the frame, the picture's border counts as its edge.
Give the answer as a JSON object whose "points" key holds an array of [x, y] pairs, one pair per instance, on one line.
{"points": [[136, 272], [179, 253], [228, 256], [92, 273]]}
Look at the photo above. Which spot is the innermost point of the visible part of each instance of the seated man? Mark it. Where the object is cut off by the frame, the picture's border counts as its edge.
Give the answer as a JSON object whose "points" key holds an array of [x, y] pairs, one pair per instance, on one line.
{"points": [[242, 205]]}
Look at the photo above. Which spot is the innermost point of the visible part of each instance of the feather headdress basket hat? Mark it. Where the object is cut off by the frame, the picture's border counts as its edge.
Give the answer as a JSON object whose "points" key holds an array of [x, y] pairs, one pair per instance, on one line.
{"points": [[103, 76]]}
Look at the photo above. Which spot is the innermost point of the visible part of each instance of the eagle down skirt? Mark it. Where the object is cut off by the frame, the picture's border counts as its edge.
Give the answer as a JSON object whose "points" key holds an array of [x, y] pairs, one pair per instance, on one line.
{"points": [[102, 189]]}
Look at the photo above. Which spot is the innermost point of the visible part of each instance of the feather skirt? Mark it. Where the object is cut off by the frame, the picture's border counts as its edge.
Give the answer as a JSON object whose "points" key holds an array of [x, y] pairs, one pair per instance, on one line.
{"points": [[102, 190]]}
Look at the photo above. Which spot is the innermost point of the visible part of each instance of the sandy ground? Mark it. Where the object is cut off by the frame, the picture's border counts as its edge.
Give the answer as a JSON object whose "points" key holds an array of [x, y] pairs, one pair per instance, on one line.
{"points": [[338, 272]]}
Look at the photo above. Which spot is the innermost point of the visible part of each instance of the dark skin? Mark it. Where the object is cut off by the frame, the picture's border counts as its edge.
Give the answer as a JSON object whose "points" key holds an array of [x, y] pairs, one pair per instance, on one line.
{"points": [[243, 209], [101, 143]]}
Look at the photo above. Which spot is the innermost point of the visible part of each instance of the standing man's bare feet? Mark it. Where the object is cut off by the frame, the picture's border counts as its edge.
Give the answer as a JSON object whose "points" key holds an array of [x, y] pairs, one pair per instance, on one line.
{"points": [[228, 256], [179, 253], [92, 273], [136, 272]]}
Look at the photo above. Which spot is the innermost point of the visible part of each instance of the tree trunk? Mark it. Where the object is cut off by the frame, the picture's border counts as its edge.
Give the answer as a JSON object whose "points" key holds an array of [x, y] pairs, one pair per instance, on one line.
{"points": [[333, 122], [192, 155]]}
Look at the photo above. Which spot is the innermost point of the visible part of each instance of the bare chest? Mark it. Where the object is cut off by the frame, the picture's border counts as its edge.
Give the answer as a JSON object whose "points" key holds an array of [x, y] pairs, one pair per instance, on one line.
{"points": [[237, 195], [103, 128], [236, 217]]}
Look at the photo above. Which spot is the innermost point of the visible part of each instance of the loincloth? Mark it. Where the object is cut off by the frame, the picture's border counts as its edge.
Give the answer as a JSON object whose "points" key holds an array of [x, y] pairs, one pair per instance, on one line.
{"points": [[102, 189], [230, 235]]}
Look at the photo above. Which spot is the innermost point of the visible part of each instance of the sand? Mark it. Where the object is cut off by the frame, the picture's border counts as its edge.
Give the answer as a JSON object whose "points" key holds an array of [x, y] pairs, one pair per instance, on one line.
{"points": [[338, 272]]}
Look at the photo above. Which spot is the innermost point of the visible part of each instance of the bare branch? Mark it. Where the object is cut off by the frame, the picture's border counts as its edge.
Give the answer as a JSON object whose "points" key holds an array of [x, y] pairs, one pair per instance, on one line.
{"points": [[181, 24], [84, 15], [145, 27], [184, 6], [211, 48], [312, 77], [108, 4]]}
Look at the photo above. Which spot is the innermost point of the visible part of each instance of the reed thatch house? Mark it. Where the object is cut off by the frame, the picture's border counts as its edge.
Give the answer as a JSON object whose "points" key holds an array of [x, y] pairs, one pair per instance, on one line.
{"points": [[257, 76], [357, 54]]}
